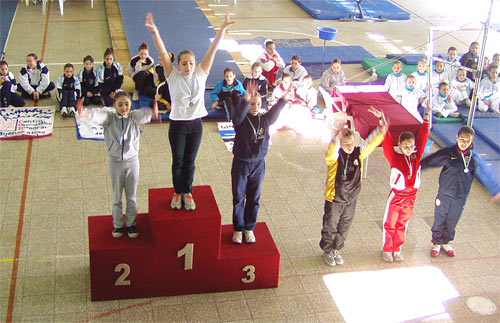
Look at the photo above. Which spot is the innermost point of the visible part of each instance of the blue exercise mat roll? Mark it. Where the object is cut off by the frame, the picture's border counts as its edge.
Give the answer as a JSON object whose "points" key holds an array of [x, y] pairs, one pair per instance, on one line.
{"points": [[7, 12], [182, 25], [347, 9], [313, 55]]}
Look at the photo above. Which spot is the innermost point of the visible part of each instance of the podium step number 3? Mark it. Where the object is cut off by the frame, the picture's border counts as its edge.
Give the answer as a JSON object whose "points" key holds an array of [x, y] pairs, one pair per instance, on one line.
{"points": [[178, 252]]}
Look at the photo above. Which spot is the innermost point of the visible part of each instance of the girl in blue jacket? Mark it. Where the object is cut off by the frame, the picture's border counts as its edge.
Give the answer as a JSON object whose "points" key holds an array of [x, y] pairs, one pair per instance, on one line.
{"points": [[227, 93]]}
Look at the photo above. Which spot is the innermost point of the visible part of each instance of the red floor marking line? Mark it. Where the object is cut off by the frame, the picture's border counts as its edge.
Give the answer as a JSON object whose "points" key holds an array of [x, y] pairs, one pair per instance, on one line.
{"points": [[119, 310], [81, 21], [63, 127], [15, 264], [20, 223]]}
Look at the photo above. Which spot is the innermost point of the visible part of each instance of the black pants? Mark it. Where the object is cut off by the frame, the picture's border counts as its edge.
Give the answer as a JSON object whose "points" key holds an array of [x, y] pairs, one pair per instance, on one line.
{"points": [[228, 100], [447, 212], [144, 83], [68, 99], [30, 96], [106, 89], [95, 99], [336, 223], [246, 180], [7, 97], [185, 140]]}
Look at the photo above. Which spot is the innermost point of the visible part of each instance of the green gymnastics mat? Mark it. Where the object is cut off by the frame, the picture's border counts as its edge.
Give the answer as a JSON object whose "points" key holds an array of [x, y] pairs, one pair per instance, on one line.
{"points": [[385, 69]]}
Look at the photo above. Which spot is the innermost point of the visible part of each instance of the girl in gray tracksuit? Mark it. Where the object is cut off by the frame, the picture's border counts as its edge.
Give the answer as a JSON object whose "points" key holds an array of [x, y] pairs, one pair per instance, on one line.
{"points": [[122, 133]]}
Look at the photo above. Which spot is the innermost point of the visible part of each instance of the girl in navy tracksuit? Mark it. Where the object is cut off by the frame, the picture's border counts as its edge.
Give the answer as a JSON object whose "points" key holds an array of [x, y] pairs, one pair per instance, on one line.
{"points": [[109, 77], [250, 148], [8, 95], [459, 165], [88, 82], [227, 92]]}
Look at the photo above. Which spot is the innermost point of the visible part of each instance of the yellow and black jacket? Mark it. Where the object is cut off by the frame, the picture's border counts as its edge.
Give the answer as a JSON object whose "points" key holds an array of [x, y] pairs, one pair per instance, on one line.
{"points": [[343, 181]]}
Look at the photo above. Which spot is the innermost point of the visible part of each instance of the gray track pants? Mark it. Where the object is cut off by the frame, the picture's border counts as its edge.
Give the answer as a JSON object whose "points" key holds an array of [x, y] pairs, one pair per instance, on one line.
{"points": [[124, 175]]}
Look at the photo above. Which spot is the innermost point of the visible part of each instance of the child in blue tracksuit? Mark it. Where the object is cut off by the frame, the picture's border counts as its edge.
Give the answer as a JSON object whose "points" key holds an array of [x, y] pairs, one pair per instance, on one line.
{"points": [[250, 148], [68, 91], [8, 85], [88, 82], [109, 77], [460, 163], [227, 92]]}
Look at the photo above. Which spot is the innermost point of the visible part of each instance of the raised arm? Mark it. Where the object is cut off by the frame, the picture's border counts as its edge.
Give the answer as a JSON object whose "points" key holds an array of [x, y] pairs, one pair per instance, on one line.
{"points": [[377, 136], [437, 159], [206, 63], [160, 46]]}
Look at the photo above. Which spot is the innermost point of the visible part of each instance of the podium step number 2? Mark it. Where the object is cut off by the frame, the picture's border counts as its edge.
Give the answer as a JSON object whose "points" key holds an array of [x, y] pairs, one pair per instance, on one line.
{"points": [[178, 252]]}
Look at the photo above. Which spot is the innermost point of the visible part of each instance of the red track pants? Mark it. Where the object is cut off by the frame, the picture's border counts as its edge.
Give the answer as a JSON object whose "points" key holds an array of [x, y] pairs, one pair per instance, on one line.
{"points": [[397, 214]]}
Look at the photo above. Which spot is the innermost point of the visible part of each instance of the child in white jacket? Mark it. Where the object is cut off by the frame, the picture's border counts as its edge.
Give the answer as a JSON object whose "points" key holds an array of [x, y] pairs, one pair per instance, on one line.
{"points": [[489, 91], [396, 81], [460, 89], [442, 103]]}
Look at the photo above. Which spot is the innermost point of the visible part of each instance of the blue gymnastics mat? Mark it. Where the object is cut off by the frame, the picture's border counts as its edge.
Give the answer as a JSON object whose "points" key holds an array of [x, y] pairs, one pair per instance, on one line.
{"points": [[182, 25], [313, 54], [489, 130], [479, 114], [7, 12], [448, 133], [345, 9]]}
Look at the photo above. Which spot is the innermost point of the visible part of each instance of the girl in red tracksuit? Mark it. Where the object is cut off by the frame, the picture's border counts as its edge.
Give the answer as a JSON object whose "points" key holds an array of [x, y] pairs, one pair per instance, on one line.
{"points": [[271, 63], [405, 181]]}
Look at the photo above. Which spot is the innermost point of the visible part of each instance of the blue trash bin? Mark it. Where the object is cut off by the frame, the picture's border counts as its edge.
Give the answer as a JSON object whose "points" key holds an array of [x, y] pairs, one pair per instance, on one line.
{"points": [[326, 33]]}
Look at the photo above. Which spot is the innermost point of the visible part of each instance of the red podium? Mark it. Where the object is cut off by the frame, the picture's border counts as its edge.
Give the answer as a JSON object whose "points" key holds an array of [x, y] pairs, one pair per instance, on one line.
{"points": [[178, 252]]}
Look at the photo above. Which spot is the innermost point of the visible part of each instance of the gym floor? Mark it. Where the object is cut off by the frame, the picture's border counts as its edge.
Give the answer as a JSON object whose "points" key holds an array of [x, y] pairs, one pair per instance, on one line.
{"points": [[49, 186]]}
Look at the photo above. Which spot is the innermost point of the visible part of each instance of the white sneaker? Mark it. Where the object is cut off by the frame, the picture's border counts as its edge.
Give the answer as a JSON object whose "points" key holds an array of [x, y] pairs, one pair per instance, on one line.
{"points": [[398, 256], [189, 204], [64, 112], [338, 257], [329, 258], [71, 111], [135, 96], [237, 237], [176, 203], [387, 256], [249, 236]]}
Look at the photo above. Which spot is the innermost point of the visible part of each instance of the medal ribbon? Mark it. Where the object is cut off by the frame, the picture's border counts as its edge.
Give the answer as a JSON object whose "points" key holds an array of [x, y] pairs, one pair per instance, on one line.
{"points": [[253, 128], [408, 161]]}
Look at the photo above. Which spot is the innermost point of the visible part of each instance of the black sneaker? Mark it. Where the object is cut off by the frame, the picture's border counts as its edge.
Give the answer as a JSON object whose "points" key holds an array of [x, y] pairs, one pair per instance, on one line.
{"points": [[132, 232], [117, 233]]}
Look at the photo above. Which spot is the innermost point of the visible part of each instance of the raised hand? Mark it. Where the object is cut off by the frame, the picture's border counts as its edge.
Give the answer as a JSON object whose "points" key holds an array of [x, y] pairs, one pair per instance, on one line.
{"points": [[227, 21], [150, 23], [378, 114], [251, 90]]}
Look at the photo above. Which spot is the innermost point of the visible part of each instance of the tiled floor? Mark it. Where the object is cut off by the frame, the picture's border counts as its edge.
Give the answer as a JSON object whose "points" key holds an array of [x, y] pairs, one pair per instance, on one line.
{"points": [[67, 180]]}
